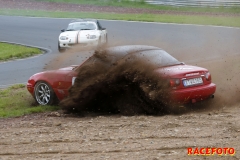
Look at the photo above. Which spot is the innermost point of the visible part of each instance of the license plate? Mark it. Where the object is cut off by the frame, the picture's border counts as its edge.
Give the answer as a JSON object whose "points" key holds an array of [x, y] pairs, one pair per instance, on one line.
{"points": [[191, 82]]}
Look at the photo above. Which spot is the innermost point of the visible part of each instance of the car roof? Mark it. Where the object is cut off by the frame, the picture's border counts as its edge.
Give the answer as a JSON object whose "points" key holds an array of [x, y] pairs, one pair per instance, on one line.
{"points": [[121, 51], [151, 54], [112, 55], [84, 20]]}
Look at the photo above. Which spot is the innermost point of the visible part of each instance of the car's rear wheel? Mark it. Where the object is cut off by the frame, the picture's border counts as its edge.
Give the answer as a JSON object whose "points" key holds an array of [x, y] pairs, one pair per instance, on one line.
{"points": [[61, 50], [43, 93]]}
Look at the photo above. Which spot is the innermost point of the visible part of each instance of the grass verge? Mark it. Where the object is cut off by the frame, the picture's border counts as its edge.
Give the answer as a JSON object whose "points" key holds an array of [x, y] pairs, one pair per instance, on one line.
{"points": [[142, 4], [164, 18], [16, 101], [12, 51]]}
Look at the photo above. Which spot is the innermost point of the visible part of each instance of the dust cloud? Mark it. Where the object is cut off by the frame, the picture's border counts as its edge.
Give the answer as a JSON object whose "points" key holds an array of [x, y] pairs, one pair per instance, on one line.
{"points": [[73, 56], [132, 88], [225, 74]]}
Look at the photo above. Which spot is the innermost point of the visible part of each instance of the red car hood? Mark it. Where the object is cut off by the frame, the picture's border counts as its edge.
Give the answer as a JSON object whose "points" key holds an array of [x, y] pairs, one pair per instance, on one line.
{"points": [[178, 71], [53, 75]]}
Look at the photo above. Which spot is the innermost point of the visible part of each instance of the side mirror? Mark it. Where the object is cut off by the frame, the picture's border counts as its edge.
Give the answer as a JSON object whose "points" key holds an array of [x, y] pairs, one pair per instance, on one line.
{"points": [[63, 30]]}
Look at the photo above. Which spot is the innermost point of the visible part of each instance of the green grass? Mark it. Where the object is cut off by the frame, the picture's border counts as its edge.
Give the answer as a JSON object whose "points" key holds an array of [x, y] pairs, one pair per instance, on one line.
{"points": [[142, 4], [16, 101], [11, 51], [165, 18]]}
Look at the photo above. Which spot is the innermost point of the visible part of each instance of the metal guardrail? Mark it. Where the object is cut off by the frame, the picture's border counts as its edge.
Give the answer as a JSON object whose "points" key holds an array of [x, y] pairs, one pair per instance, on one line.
{"points": [[197, 3]]}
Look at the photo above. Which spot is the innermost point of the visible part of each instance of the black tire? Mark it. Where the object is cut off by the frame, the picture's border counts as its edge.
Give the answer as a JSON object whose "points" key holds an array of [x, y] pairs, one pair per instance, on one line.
{"points": [[61, 50], [131, 103], [99, 43], [44, 94], [106, 42]]}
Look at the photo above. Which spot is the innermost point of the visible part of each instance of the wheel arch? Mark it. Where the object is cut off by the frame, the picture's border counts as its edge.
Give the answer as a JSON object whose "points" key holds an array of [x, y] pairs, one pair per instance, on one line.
{"points": [[55, 96]]}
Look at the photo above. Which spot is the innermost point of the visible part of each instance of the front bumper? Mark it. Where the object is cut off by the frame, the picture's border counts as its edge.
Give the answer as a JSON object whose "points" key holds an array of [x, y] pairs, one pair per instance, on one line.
{"points": [[30, 88], [89, 43]]}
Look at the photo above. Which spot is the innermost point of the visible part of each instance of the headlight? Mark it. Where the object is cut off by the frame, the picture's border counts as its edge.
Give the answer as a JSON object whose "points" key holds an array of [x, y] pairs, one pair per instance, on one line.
{"points": [[64, 38], [91, 37]]}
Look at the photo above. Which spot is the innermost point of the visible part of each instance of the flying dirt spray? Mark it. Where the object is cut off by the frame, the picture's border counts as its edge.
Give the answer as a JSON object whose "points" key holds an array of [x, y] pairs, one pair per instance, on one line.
{"points": [[129, 86]]}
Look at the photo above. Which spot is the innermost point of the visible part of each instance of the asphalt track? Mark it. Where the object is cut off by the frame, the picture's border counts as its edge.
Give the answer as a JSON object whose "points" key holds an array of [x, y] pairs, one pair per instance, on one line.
{"points": [[188, 43]]}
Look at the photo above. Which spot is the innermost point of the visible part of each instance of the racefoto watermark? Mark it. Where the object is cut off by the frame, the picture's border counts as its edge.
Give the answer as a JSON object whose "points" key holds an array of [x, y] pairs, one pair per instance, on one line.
{"points": [[211, 151]]}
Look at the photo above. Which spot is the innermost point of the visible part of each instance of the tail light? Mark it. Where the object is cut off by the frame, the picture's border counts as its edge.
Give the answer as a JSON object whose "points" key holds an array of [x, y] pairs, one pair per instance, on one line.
{"points": [[174, 82], [208, 76]]}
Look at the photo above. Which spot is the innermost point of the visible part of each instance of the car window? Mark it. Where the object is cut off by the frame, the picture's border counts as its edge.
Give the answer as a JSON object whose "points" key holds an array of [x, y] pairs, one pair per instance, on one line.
{"points": [[159, 58], [81, 26]]}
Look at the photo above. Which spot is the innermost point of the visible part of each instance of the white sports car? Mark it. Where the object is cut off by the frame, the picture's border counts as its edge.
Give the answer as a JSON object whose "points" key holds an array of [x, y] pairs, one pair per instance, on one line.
{"points": [[82, 32]]}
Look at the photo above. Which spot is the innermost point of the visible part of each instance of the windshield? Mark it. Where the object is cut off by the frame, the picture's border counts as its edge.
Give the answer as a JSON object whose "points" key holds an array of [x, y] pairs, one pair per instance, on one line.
{"points": [[81, 26], [159, 58]]}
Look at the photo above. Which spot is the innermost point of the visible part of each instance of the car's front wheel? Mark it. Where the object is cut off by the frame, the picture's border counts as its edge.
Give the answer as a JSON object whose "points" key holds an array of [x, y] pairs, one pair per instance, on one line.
{"points": [[106, 41], [61, 50], [43, 93], [99, 42]]}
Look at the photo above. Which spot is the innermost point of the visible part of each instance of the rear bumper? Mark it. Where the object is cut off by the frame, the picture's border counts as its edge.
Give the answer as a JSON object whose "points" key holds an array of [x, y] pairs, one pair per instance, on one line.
{"points": [[191, 95]]}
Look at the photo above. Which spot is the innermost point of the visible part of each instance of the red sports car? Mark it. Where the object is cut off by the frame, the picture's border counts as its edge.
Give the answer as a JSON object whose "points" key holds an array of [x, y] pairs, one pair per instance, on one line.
{"points": [[187, 83]]}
